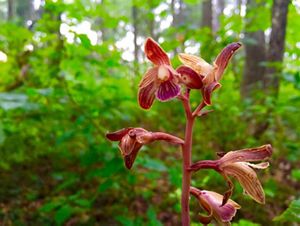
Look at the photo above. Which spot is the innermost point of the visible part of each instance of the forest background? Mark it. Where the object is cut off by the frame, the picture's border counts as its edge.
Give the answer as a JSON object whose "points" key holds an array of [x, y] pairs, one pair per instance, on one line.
{"points": [[69, 73]]}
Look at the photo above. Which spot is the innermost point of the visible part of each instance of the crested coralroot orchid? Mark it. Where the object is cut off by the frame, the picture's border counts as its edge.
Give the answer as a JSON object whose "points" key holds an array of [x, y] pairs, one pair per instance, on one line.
{"points": [[132, 139], [160, 81], [211, 74], [164, 83], [212, 203], [237, 164]]}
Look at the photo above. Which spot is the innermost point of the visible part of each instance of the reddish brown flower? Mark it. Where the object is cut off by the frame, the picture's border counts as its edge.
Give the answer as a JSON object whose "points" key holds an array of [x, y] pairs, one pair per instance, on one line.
{"points": [[132, 139], [160, 81], [212, 73], [212, 203], [236, 164]]}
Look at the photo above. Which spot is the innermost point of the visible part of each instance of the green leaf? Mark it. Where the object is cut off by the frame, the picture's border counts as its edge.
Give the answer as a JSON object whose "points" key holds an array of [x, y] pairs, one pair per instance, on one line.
{"points": [[245, 223], [63, 214], [296, 174], [152, 217], [153, 164], [48, 207], [85, 41], [291, 214]]}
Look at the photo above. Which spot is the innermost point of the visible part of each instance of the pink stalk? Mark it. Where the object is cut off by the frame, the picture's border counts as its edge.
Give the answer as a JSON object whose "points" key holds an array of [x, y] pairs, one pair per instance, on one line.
{"points": [[187, 157]]}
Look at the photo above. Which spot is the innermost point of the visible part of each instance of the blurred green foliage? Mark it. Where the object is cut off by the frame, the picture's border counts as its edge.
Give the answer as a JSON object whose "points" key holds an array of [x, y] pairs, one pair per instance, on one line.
{"points": [[60, 94]]}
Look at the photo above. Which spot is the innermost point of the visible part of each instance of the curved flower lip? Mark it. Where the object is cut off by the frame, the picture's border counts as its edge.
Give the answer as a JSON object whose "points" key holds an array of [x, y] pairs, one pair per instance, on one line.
{"points": [[212, 203], [159, 82], [132, 139], [190, 78]]}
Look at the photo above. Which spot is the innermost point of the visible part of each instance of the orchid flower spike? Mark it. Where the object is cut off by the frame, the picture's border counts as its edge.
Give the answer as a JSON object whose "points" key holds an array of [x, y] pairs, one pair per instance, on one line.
{"points": [[160, 81], [132, 139], [212, 203], [211, 74], [237, 164]]}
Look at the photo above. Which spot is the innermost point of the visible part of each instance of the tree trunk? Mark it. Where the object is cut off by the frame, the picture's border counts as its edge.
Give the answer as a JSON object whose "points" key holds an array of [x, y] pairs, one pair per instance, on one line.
{"points": [[207, 14], [25, 11], [218, 12], [207, 49], [254, 42], [276, 46], [135, 34], [254, 70], [10, 9], [178, 20]]}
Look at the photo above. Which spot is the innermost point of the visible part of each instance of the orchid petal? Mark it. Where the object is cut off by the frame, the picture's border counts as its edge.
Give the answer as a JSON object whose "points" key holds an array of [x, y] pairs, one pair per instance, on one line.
{"points": [[211, 202], [149, 77], [229, 192], [207, 92], [155, 53], [146, 95], [225, 212], [118, 135], [248, 180], [223, 58], [262, 165], [167, 90], [126, 145], [196, 63], [248, 155], [130, 158], [206, 206], [190, 78]]}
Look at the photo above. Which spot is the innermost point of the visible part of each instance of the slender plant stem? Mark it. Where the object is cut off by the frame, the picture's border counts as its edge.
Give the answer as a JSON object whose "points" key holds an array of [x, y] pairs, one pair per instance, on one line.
{"points": [[187, 157], [186, 153]]}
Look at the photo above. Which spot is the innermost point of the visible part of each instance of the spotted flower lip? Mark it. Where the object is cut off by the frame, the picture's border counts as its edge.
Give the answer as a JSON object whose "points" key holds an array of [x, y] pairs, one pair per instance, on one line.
{"points": [[237, 164], [190, 78], [132, 139], [212, 203], [160, 81], [212, 73]]}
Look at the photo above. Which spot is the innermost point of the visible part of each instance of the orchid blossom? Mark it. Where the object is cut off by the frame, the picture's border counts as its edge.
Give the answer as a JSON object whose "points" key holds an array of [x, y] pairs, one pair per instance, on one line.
{"points": [[160, 81], [132, 139], [211, 74], [237, 164], [212, 203], [164, 83]]}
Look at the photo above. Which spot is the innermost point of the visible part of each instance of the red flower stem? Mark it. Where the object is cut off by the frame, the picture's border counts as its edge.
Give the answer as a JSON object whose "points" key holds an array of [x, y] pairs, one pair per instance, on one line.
{"points": [[186, 163], [187, 156], [199, 108]]}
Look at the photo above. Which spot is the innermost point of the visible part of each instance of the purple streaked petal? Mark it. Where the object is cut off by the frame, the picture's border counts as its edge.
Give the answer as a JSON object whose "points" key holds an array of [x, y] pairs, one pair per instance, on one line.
{"points": [[167, 90], [221, 213], [223, 58], [155, 53], [146, 95], [149, 77], [207, 92], [130, 158], [247, 178], [248, 155], [118, 135], [126, 145]]}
